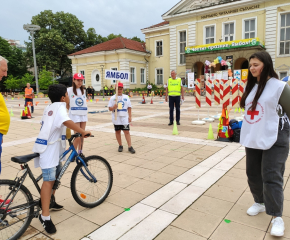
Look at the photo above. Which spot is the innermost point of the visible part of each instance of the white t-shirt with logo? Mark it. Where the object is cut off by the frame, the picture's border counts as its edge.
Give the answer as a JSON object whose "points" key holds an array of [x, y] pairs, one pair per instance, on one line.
{"points": [[77, 118], [50, 157], [122, 114]]}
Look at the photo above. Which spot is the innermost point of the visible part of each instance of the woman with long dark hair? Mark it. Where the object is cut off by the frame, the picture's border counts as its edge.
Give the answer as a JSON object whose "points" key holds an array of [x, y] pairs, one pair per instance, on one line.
{"points": [[265, 135], [78, 111]]}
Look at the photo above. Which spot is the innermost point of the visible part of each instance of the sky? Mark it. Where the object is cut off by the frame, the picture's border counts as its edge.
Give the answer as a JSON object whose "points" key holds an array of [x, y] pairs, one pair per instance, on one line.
{"points": [[124, 17]]}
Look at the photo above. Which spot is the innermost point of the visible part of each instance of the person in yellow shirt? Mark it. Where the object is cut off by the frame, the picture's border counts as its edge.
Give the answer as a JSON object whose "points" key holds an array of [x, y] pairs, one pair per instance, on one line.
{"points": [[4, 114], [174, 90]]}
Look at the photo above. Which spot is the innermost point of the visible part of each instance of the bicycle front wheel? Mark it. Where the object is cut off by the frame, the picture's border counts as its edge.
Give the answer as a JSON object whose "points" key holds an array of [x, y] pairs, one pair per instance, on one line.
{"points": [[15, 220], [87, 193]]}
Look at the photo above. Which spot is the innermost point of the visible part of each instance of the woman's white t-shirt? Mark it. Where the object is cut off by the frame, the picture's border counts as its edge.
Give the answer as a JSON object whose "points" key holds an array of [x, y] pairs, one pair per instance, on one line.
{"points": [[50, 157], [77, 118]]}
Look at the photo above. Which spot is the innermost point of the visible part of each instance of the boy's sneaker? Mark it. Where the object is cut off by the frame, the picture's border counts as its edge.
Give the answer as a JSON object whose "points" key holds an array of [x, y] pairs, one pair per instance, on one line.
{"points": [[120, 149], [47, 225], [255, 209], [131, 149], [277, 227], [56, 207]]}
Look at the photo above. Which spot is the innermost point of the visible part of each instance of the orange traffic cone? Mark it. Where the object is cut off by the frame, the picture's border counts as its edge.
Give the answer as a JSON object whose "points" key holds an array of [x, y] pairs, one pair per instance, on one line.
{"points": [[143, 100], [23, 116], [151, 101], [28, 113]]}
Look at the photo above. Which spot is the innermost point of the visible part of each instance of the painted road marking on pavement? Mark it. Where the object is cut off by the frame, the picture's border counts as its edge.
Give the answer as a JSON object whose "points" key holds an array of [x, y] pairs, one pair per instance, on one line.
{"points": [[172, 198]]}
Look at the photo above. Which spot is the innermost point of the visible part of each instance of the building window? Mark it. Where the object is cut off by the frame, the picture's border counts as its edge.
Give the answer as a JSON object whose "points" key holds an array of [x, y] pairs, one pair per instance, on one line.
{"points": [[209, 34], [285, 34], [142, 71], [83, 73], [283, 74], [250, 28], [159, 48], [159, 76], [182, 45], [229, 32], [132, 71]]}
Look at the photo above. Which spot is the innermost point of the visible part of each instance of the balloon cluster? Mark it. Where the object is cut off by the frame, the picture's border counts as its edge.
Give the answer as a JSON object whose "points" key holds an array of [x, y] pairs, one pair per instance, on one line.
{"points": [[220, 60]]}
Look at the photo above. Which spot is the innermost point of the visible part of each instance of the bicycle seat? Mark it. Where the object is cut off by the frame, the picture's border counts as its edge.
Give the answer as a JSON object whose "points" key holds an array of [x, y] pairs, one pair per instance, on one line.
{"points": [[25, 158]]}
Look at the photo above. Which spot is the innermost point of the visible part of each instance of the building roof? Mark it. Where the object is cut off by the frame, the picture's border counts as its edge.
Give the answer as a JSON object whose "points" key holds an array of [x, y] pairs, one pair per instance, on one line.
{"points": [[158, 25], [116, 43]]}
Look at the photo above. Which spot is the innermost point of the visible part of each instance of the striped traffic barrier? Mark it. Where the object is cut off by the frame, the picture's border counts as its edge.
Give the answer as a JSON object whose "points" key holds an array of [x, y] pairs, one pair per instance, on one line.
{"points": [[217, 98], [226, 93], [197, 101], [235, 93]]}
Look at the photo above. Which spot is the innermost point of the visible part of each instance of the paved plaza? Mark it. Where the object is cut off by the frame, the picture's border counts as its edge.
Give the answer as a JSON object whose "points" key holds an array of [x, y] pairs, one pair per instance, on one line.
{"points": [[177, 187]]}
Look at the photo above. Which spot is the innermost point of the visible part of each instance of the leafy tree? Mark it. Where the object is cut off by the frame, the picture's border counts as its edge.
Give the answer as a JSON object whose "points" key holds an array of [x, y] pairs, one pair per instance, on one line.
{"points": [[93, 38], [45, 79], [137, 39], [27, 78], [111, 36], [12, 83], [60, 35], [17, 62]]}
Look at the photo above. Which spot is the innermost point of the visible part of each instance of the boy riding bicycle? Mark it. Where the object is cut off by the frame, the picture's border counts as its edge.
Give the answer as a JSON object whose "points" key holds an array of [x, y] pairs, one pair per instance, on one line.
{"points": [[50, 144]]}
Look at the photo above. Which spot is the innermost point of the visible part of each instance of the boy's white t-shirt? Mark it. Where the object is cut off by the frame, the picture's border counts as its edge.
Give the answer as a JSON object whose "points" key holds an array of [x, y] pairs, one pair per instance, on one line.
{"points": [[50, 157], [126, 103]]}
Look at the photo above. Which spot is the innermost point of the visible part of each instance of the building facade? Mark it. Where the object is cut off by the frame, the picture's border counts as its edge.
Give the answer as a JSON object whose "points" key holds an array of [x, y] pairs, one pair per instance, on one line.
{"points": [[198, 24]]}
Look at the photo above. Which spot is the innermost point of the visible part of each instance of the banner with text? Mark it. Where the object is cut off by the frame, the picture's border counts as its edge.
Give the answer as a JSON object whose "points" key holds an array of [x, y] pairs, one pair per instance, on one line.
{"points": [[122, 76], [225, 45]]}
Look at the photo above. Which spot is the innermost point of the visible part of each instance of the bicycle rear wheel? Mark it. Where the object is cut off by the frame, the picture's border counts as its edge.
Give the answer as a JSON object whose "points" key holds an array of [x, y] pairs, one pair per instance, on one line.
{"points": [[15, 221], [89, 194]]}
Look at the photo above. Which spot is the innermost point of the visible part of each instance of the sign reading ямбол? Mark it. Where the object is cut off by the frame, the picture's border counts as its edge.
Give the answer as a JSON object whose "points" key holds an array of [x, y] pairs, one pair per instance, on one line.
{"points": [[225, 45], [242, 9]]}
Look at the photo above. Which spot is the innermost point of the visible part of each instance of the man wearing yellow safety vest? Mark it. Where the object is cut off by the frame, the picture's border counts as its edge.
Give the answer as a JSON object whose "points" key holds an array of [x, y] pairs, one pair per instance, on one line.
{"points": [[106, 89], [174, 90]]}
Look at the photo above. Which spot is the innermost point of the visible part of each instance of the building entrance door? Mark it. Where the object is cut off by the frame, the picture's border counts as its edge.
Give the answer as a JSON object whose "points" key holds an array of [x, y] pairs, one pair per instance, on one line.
{"points": [[96, 80]]}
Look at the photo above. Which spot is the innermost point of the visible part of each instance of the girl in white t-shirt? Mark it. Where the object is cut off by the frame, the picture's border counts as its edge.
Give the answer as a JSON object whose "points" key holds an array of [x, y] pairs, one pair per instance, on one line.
{"points": [[78, 111]]}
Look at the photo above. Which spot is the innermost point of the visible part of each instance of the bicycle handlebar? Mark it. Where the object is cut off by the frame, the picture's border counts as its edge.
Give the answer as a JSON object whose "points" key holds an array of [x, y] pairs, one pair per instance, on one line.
{"points": [[76, 135]]}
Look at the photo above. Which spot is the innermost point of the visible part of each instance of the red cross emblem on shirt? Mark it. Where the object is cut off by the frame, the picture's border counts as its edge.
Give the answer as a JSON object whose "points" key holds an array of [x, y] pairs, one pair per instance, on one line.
{"points": [[253, 114]]}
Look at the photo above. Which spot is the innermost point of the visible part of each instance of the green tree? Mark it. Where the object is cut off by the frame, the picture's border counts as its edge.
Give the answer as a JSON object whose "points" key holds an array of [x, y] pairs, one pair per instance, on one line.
{"points": [[60, 35], [27, 78], [12, 83], [17, 65], [45, 79], [137, 39], [111, 36], [93, 38]]}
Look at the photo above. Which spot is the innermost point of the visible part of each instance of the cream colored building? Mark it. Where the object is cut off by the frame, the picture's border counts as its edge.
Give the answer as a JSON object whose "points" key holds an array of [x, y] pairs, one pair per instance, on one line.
{"points": [[198, 22], [195, 23]]}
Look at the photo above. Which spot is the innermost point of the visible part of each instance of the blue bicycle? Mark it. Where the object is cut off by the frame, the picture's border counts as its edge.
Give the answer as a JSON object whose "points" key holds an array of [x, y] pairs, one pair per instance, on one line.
{"points": [[91, 183]]}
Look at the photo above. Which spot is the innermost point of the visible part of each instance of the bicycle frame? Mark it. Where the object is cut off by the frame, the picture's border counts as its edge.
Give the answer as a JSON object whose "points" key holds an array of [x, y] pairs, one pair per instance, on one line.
{"points": [[20, 180]]}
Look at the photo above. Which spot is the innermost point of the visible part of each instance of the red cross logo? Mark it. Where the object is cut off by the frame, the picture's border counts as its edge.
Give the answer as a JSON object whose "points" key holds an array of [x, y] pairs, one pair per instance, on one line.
{"points": [[253, 114]]}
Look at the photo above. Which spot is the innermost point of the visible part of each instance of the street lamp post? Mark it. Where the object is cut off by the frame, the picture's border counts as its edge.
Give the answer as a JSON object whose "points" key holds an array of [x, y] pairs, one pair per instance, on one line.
{"points": [[32, 28], [102, 66]]}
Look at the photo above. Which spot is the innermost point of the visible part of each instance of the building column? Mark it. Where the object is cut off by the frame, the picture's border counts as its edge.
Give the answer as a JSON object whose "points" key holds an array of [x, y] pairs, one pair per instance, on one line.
{"points": [[271, 31], [74, 69], [173, 49], [191, 34]]}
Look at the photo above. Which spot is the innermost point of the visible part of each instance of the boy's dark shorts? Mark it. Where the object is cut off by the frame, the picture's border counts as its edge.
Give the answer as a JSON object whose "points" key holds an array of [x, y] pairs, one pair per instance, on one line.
{"points": [[122, 127]]}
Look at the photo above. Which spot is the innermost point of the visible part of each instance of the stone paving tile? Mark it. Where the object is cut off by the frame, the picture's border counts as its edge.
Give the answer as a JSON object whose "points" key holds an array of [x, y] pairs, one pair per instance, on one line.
{"points": [[236, 231], [174, 170], [198, 223], [144, 187], [212, 206], [125, 198], [174, 233], [160, 177], [224, 193], [238, 215]]}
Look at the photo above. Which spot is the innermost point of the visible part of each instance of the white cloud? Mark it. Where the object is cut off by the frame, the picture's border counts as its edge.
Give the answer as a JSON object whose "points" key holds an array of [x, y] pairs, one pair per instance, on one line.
{"points": [[126, 17]]}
